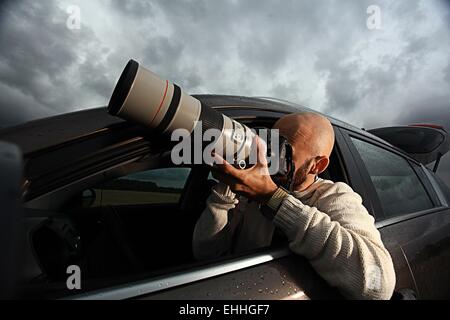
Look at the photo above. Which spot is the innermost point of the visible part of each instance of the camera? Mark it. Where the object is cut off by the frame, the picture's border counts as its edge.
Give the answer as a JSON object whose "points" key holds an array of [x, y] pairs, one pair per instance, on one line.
{"points": [[162, 106]]}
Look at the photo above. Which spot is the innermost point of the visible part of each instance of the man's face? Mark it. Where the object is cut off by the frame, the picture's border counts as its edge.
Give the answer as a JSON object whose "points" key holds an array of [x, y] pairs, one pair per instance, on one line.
{"points": [[301, 174], [303, 161], [301, 156]]}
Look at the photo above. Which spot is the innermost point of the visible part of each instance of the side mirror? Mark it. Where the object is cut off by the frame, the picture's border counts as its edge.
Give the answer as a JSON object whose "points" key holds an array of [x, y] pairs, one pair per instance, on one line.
{"points": [[12, 229]]}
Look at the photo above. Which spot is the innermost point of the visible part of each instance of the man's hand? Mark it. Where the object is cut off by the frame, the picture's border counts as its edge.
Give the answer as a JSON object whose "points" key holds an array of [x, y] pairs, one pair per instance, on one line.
{"points": [[254, 183]]}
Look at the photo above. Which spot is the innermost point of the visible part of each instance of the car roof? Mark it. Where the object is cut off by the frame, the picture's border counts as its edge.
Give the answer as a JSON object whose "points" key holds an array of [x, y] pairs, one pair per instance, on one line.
{"points": [[48, 132]]}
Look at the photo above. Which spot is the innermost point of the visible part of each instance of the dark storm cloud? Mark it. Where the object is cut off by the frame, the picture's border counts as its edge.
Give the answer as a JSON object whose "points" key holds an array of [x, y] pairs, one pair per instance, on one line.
{"points": [[447, 72], [35, 52], [262, 35], [271, 43], [434, 110], [16, 107], [356, 83], [342, 85], [136, 9], [316, 53], [43, 64]]}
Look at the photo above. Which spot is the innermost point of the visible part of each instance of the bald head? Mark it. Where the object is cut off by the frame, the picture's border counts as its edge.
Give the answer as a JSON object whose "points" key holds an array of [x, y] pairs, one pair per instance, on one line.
{"points": [[307, 132]]}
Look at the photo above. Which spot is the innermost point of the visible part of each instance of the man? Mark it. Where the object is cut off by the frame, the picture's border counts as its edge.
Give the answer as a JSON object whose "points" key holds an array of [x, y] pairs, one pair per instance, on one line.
{"points": [[324, 221]]}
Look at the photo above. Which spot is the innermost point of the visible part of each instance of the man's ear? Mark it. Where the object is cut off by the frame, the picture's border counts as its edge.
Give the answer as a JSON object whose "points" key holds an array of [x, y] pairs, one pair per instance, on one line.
{"points": [[320, 166]]}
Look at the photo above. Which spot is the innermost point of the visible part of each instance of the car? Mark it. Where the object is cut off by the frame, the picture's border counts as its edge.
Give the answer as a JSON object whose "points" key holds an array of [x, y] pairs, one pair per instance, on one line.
{"points": [[102, 201]]}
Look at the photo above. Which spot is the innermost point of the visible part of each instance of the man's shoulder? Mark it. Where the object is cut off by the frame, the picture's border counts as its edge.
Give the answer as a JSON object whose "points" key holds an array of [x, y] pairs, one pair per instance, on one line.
{"points": [[328, 187], [328, 193]]}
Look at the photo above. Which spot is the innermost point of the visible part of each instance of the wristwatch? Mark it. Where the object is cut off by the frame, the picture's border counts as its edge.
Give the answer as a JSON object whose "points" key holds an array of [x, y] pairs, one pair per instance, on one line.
{"points": [[270, 208]]}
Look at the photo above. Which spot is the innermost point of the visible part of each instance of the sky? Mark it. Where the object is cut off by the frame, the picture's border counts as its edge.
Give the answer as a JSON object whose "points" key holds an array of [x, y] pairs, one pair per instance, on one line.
{"points": [[337, 57]]}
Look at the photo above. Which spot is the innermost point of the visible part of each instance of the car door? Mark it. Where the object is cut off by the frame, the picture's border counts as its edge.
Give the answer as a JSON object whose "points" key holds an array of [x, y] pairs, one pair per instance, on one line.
{"points": [[412, 215], [72, 190], [264, 273], [83, 209], [268, 273]]}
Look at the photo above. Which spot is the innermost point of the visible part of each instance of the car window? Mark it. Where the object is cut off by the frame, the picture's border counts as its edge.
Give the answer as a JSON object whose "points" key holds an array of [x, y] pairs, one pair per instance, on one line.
{"points": [[399, 189], [118, 233], [146, 187]]}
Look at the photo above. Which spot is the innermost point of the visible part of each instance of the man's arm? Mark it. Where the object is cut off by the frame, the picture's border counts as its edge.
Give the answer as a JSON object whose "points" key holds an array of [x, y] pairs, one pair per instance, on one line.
{"points": [[213, 231], [343, 244], [338, 237]]}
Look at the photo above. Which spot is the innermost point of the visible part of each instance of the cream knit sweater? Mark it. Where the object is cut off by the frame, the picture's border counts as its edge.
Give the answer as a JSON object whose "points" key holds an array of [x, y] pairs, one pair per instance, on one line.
{"points": [[326, 223]]}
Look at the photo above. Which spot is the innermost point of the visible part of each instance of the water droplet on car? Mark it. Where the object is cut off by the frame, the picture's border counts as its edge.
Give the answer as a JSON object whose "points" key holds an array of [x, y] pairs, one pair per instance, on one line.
{"points": [[283, 282], [260, 290]]}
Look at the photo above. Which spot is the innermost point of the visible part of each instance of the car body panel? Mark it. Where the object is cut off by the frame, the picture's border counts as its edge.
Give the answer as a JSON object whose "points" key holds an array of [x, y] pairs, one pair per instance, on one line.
{"points": [[422, 238], [286, 278], [425, 241]]}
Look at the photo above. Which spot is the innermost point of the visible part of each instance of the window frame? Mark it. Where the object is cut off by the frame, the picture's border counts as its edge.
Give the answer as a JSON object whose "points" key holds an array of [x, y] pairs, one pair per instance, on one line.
{"points": [[355, 178], [382, 219]]}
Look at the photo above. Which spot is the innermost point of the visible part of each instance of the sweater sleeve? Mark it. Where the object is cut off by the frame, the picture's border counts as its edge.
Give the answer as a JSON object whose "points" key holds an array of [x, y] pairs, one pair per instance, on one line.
{"points": [[213, 232], [341, 242]]}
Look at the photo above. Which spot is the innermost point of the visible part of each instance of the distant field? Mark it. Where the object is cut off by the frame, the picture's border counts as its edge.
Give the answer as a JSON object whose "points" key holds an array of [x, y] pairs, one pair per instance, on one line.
{"points": [[122, 197]]}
